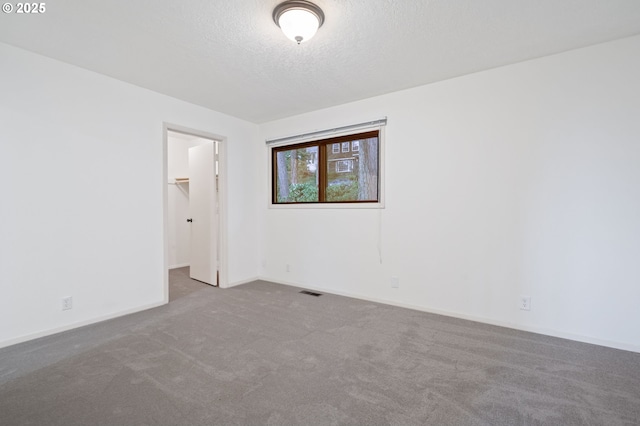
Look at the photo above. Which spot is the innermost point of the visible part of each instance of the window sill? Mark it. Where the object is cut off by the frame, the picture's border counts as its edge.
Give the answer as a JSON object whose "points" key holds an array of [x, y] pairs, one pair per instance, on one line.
{"points": [[369, 206]]}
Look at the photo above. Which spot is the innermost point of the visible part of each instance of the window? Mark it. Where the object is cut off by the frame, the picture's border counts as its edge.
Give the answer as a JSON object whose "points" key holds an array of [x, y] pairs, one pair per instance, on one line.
{"points": [[344, 166], [317, 172]]}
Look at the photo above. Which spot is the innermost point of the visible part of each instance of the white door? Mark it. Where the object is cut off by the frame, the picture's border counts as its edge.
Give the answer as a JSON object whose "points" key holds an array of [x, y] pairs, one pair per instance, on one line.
{"points": [[202, 209]]}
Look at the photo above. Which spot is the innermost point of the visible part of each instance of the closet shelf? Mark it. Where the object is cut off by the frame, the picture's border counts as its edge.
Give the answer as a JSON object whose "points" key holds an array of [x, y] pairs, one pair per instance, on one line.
{"points": [[182, 180]]}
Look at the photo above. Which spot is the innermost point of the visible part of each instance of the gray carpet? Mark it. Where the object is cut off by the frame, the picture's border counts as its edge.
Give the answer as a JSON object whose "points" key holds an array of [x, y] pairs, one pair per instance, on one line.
{"points": [[181, 285], [264, 354]]}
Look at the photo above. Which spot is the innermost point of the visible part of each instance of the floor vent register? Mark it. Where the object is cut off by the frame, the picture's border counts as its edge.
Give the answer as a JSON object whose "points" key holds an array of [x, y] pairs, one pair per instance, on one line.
{"points": [[310, 293]]}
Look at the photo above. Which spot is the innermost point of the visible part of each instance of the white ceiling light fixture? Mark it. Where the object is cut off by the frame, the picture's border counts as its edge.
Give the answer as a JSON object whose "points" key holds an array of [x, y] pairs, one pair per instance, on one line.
{"points": [[298, 19]]}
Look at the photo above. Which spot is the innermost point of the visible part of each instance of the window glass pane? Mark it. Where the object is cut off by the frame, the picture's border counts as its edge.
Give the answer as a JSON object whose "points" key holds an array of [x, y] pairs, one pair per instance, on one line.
{"points": [[297, 175], [336, 148], [353, 176]]}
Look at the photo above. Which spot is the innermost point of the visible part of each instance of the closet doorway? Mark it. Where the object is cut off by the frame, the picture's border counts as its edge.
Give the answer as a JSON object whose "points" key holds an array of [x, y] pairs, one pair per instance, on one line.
{"points": [[193, 204]]}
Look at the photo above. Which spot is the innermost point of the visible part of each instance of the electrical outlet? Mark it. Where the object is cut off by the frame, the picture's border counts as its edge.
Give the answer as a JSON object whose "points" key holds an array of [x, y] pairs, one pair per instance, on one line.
{"points": [[67, 303], [395, 282], [525, 303]]}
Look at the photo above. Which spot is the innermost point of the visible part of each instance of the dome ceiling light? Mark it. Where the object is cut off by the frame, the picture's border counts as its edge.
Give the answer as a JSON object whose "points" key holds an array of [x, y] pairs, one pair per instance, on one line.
{"points": [[298, 19]]}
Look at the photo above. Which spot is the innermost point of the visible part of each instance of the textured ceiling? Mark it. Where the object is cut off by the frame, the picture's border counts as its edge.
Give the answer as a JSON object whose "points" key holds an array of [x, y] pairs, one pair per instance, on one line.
{"points": [[229, 55]]}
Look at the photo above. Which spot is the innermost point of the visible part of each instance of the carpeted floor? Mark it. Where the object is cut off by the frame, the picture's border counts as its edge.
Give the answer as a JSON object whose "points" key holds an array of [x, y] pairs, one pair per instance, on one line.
{"points": [[181, 285], [264, 354]]}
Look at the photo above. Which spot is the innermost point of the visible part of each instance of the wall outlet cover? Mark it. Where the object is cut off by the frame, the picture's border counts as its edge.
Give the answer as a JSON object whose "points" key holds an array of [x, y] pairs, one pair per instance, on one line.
{"points": [[395, 282], [67, 303]]}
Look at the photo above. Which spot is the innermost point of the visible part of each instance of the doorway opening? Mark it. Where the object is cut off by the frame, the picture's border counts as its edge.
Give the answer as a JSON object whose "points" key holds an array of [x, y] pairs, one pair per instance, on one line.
{"points": [[194, 206]]}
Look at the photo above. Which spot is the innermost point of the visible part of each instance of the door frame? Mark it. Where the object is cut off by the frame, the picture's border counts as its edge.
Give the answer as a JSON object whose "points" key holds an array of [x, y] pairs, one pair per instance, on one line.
{"points": [[222, 201]]}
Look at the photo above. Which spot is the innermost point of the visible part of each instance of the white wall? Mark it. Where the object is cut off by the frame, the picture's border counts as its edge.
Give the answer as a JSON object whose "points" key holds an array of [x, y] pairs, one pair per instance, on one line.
{"points": [[178, 197], [518, 180], [81, 164], [522, 180]]}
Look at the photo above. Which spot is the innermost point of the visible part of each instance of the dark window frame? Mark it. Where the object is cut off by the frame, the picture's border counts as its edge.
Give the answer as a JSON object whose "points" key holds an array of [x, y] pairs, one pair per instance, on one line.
{"points": [[324, 146]]}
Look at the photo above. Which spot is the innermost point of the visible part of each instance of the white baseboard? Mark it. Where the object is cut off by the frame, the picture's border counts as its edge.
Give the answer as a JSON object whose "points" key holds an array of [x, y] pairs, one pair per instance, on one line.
{"points": [[182, 265], [68, 327], [537, 330], [245, 281]]}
